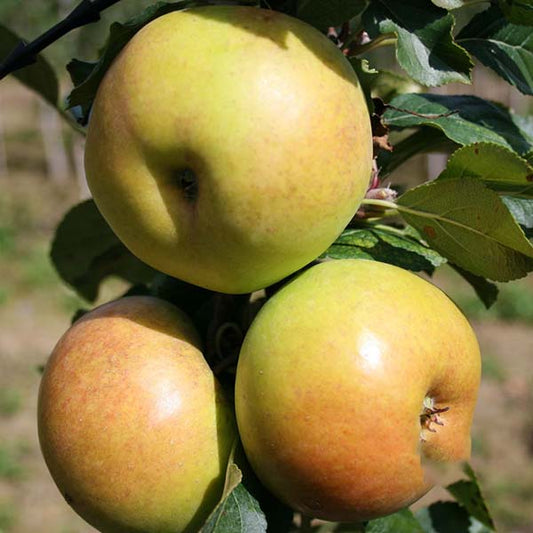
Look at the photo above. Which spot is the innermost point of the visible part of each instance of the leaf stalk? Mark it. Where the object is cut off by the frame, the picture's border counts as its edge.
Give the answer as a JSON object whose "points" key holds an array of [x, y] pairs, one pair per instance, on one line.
{"points": [[385, 39]]}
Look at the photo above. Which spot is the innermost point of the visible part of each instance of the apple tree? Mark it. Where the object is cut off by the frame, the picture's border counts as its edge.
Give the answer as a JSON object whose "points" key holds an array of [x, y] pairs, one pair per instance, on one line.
{"points": [[476, 215]]}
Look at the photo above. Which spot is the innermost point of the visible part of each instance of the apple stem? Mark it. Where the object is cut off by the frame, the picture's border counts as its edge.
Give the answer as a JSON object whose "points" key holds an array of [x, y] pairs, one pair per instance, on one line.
{"points": [[430, 415]]}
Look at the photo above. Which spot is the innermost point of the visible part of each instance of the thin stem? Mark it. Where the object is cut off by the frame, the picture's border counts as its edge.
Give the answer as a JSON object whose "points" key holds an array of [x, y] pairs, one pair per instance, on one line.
{"points": [[384, 39], [24, 54], [305, 523], [381, 203], [423, 214]]}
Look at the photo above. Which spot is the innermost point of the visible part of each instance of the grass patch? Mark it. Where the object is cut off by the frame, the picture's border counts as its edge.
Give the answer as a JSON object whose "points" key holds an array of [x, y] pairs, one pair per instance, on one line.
{"points": [[4, 295], [10, 401], [37, 269], [10, 461], [7, 516], [493, 369], [71, 302], [514, 303], [479, 446], [7, 240]]}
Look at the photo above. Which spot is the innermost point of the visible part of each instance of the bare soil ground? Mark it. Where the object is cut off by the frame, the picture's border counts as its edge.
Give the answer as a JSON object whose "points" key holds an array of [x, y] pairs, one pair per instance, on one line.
{"points": [[35, 309]]}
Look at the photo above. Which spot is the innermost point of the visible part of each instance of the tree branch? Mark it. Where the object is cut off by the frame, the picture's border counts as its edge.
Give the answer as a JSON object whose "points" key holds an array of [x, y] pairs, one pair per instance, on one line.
{"points": [[25, 54]]}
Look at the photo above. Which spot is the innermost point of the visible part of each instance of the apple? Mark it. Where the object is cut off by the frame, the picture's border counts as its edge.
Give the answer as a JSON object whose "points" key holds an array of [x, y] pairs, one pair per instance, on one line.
{"points": [[352, 381], [228, 146], [133, 426]]}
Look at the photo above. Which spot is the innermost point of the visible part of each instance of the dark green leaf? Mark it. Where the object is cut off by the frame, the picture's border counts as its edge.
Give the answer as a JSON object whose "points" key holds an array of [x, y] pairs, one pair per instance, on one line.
{"points": [[79, 71], [449, 517], [366, 76], [463, 119], [386, 245], [85, 251], [468, 494], [486, 291], [518, 11], [422, 141], [325, 13], [40, 76], [502, 46], [425, 49], [196, 301], [469, 225], [499, 168], [401, 522], [522, 211]]}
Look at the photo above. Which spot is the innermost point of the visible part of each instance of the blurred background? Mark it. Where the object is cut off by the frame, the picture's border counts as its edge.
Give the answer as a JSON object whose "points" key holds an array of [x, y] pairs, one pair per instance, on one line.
{"points": [[41, 176]]}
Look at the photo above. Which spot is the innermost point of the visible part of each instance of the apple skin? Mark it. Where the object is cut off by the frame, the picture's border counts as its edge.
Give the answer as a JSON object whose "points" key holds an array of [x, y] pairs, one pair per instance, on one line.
{"points": [[133, 426], [331, 383], [228, 146]]}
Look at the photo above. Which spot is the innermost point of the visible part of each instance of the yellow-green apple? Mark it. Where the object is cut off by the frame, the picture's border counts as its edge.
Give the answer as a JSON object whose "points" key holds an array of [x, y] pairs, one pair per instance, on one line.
{"points": [[133, 426], [228, 146], [351, 380]]}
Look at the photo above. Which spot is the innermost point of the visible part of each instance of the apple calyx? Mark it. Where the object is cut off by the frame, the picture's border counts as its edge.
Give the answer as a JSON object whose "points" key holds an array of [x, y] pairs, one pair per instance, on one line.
{"points": [[188, 183], [429, 416]]}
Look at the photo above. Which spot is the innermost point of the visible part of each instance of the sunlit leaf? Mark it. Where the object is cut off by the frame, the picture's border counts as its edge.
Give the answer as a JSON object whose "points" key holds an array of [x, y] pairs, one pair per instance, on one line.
{"points": [[469, 225]]}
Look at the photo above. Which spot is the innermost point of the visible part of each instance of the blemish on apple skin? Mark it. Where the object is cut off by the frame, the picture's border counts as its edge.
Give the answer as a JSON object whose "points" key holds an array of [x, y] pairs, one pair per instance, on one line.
{"points": [[529, 177], [68, 498]]}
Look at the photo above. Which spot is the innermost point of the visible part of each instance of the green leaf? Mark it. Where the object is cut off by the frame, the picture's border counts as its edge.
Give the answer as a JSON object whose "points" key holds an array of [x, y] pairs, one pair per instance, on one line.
{"points": [[525, 124], [502, 46], [468, 494], [85, 251], [424, 140], [486, 291], [401, 522], [387, 85], [325, 13], [366, 76], [518, 11], [522, 211], [193, 300], [425, 49], [449, 517], [79, 71], [462, 118], [40, 76], [499, 168], [386, 245], [239, 512], [469, 225]]}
